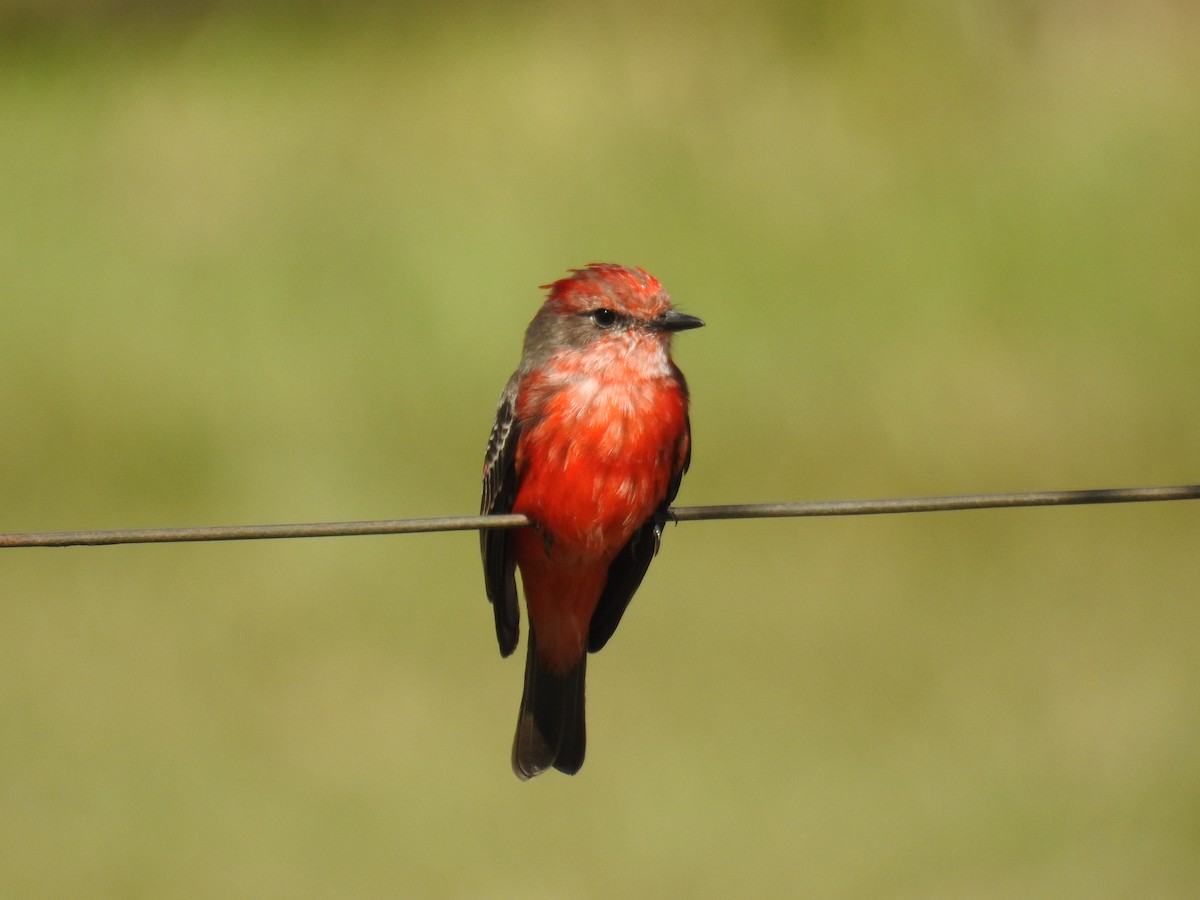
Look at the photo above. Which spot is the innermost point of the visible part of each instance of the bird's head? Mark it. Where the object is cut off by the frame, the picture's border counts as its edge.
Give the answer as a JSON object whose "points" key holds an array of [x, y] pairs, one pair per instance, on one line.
{"points": [[605, 309]]}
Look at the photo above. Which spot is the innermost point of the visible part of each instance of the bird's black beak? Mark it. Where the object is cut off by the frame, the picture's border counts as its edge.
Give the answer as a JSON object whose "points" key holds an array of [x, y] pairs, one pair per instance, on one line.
{"points": [[673, 320]]}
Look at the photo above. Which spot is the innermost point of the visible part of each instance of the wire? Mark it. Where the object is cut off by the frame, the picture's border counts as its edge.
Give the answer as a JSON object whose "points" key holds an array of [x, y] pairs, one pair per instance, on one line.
{"points": [[679, 514]]}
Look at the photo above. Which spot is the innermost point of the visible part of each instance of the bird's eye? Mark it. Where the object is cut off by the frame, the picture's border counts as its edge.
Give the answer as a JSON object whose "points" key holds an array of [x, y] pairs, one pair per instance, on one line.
{"points": [[604, 317]]}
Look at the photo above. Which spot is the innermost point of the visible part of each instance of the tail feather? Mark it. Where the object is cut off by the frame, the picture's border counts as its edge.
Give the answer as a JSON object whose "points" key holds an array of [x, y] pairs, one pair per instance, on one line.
{"points": [[550, 727]]}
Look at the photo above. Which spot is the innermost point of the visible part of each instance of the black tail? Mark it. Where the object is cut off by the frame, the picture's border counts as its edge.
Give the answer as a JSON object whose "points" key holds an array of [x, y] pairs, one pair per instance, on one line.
{"points": [[550, 729]]}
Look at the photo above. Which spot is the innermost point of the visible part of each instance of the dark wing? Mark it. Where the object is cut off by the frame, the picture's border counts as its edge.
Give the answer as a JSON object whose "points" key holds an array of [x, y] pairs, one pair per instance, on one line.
{"points": [[629, 568], [499, 492]]}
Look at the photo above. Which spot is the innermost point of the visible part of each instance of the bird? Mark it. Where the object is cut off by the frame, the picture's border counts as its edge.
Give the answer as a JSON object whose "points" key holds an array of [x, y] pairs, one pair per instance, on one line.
{"points": [[591, 439]]}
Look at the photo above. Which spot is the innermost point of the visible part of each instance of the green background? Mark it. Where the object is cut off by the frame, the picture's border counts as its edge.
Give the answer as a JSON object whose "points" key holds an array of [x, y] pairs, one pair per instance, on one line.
{"points": [[273, 264]]}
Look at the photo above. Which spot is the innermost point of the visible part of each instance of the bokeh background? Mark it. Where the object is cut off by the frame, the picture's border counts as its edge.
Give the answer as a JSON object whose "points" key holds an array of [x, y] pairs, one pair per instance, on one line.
{"points": [[273, 262]]}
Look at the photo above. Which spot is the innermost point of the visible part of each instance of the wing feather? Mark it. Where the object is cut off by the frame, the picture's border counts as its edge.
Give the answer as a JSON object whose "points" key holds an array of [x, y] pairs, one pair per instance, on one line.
{"points": [[499, 492]]}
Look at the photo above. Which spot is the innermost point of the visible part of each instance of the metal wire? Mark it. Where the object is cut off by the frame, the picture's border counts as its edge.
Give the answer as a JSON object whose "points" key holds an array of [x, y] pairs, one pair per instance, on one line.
{"points": [[680, 514]]}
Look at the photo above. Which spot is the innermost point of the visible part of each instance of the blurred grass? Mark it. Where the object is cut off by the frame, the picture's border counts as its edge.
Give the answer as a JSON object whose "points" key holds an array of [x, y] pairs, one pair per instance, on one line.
{"points": [[261, 267]]}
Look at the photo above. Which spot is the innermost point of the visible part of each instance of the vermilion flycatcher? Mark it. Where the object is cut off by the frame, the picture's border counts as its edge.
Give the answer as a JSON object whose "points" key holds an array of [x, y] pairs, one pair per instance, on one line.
{"points": [[590, 442]]}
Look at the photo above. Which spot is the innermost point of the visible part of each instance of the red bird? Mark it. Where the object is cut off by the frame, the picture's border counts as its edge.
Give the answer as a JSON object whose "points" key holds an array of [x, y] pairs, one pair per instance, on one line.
{"points": [[590, 442]]}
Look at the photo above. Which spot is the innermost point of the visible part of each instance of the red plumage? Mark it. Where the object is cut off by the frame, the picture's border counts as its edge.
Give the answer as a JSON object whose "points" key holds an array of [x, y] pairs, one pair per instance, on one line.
{"points": [[590, 442]]}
